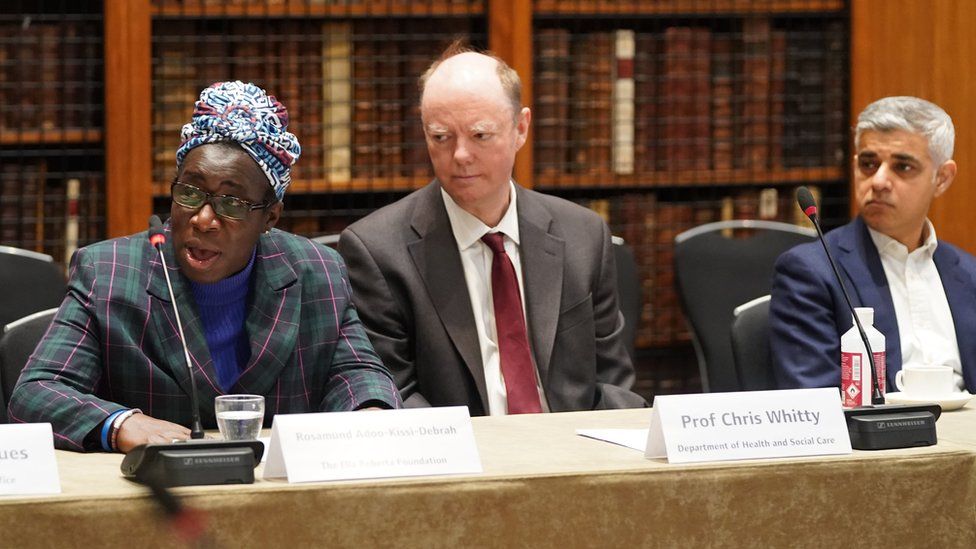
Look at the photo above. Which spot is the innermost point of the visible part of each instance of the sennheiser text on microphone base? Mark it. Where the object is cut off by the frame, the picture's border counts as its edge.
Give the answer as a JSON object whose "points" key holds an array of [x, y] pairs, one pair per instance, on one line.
{"points": [[194, 462], [892, 426]]}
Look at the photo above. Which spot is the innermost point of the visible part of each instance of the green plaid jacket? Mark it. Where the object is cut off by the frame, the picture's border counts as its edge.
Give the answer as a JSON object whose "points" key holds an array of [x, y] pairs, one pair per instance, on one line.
{"points": [[114, 343]]}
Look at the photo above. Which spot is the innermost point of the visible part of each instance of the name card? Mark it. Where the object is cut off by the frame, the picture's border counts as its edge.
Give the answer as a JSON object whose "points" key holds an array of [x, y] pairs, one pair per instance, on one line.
{"points": [[27, 464], [372, 444], [747, 425]]}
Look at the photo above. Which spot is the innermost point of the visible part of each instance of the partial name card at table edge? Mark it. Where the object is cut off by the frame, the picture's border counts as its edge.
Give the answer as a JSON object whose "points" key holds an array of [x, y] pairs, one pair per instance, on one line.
{"points": [[747, 425], [27, 462], [372, 444]]}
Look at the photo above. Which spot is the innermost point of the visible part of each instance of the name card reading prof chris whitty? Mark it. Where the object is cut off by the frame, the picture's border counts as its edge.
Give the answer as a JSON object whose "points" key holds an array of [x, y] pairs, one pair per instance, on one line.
{"points": [[355, 445], [748, 425]]}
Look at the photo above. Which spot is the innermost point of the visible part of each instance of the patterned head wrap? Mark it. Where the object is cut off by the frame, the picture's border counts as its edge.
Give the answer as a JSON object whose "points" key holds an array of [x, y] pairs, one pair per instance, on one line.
{"points": [[244, 114]]}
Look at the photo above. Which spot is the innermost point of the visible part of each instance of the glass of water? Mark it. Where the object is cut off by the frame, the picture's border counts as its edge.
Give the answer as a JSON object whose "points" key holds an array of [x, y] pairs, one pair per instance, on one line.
{"points": [[239, 417]]}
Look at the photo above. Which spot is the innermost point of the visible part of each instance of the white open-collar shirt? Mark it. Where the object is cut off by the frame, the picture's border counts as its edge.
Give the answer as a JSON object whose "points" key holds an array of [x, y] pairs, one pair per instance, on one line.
{"points": [[476, 258], [925, 328]]}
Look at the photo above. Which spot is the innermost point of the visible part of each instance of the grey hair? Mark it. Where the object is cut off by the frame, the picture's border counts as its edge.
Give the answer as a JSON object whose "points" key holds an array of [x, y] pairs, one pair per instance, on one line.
{"points": [[914, 115]]}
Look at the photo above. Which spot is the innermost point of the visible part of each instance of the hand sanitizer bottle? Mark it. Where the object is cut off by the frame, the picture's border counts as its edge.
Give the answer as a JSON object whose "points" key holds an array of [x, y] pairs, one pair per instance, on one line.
{"points": [[855, 376]]}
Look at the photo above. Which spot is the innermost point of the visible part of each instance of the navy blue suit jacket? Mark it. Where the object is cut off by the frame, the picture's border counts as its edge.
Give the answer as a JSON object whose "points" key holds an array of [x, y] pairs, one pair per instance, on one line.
{"points": [[808, 313]]}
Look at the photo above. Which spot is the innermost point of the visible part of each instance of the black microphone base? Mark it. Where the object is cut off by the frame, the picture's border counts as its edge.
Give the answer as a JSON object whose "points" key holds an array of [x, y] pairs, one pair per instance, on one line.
{"points": [[884, 427], [194, 462]]}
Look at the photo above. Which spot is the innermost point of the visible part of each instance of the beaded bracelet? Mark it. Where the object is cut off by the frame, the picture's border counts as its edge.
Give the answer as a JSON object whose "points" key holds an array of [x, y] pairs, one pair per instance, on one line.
{"points": [[107, 429], [117, 424]]}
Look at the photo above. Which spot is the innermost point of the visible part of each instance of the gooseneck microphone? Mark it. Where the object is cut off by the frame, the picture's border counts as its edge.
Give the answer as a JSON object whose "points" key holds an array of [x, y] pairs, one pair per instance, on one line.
{"points": [[157, 237], [809, 206], [197, 461], [879, 426]]}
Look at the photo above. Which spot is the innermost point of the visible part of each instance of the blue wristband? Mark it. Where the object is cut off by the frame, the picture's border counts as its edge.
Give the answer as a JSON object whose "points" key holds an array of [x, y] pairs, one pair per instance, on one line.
{"points": [[107, 426]]}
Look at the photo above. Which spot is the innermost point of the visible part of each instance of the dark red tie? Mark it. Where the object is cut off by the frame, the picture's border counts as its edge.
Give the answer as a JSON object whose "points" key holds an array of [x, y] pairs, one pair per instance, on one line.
{"points": [[513, 344]]}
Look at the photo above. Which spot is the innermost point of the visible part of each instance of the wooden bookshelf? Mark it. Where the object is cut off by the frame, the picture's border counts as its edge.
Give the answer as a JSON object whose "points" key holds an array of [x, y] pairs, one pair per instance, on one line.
{"points": [[349, 85], [685, 7], [128, 128], [320, 186], [694, 178], [52, 197], [51, 137], [400, 8], [359, 184]]}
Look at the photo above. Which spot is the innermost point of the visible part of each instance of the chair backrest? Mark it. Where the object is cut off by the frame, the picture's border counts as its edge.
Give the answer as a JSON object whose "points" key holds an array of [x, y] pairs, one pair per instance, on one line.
{"points": [[16, 345], [29, 282], [628, 291], [715, 272], [750, 345], [331, 240]]}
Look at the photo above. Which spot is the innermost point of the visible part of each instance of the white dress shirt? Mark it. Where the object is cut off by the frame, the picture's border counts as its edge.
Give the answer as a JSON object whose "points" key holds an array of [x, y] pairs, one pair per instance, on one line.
{"points": [[476, 258], [925, 328]]}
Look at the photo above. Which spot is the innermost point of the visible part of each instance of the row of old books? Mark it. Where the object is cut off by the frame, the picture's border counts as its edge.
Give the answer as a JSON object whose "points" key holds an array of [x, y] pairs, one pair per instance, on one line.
{"points": [[351, 89], [49, 76], [649, 226], [689, 98], [47, 211], [681, 99], [298, 4]]}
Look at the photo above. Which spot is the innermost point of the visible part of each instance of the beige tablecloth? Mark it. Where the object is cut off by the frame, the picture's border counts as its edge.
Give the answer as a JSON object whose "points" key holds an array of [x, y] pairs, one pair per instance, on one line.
{"points": [[543, 486]]}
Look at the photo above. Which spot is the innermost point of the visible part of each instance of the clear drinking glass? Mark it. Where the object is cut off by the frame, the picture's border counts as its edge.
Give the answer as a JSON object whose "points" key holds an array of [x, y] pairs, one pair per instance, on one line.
{"points": [[239, 417]]}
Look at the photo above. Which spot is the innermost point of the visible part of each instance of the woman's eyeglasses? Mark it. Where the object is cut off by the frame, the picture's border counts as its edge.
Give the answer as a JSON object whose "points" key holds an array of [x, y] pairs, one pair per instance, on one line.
{"points": [[231, 207]]}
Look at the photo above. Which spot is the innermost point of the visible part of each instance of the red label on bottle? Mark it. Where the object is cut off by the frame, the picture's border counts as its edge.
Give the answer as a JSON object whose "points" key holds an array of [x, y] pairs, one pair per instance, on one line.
{"points": [[879, 367], [855, 378]]}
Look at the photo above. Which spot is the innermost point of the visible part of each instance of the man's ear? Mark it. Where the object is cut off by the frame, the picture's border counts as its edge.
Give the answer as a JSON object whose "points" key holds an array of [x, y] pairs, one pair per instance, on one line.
{"points": [[944, 177], [522, 127]]}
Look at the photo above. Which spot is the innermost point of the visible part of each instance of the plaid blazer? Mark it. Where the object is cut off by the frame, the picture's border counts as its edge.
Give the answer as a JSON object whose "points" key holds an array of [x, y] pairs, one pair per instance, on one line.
{"points": [[114, 342]]}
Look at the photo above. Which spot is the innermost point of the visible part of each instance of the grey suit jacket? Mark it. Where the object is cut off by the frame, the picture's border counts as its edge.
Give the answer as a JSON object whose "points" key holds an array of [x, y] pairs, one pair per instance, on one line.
{"points": [[408, 284]]}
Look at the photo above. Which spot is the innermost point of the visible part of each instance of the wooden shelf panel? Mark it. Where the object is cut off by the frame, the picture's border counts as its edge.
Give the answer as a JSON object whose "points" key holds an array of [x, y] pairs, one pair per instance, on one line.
{"points": [[295, 9], [359, 184], [50, 137], [309, 186], [692, 178], [674, 7]]}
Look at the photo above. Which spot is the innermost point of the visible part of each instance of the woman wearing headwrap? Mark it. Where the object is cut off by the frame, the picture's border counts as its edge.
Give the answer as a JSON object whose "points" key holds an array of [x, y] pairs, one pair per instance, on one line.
{"points": [[264, 311]]}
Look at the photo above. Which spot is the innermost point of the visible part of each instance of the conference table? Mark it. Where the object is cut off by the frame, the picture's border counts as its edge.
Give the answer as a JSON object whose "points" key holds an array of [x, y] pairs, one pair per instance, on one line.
{"points": [[544, 486]]}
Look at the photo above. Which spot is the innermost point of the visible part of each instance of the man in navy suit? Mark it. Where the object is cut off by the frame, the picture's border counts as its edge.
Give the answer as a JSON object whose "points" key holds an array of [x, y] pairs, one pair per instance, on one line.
{"points": [[923, 290]]}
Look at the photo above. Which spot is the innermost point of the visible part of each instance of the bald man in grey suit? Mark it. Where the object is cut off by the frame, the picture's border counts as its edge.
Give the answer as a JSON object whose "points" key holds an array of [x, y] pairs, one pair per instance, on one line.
{"points": [[420, 272]]}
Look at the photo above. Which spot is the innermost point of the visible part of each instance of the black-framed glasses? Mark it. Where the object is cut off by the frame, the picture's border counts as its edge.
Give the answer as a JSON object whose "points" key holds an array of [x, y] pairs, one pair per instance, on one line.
{"points": [[224, 205]]}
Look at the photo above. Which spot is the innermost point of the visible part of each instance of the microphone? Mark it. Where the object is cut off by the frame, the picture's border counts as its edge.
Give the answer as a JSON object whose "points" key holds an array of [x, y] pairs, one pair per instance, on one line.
{"points": [[879, 426], [809, 206], [157, 237], [197, 461]]}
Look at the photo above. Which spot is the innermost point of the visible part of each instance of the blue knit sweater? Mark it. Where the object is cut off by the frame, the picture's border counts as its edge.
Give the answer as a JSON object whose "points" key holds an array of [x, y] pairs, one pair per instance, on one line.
{"points": [[223, 308]]}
